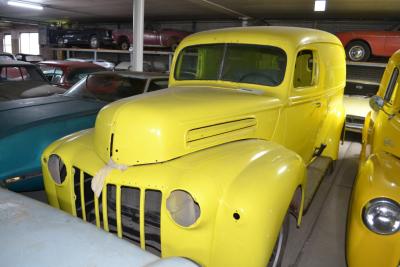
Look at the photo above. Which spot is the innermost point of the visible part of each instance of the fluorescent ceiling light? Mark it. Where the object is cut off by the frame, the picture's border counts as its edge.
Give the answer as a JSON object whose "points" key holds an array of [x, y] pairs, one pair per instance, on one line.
{"points": [[25, 5], [319, 5]]}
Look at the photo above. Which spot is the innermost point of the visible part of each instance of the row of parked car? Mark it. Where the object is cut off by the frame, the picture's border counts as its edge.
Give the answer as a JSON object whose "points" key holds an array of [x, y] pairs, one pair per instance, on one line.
{"points": [[118, 38], [359, 45], [212, 167]]}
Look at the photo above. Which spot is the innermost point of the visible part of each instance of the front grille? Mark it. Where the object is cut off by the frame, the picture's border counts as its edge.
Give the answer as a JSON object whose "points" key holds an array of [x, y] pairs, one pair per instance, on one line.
{"points": [[123, 206]]}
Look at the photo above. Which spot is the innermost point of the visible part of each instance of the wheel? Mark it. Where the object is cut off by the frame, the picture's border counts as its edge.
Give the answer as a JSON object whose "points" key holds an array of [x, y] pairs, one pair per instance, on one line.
{"points": [[60, 42], [358, 51], [124, 45], [277, 254], [94, 42]]}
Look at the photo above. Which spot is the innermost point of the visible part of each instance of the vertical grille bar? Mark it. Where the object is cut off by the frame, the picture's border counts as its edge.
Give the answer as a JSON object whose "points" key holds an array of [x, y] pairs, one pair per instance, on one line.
{"points": [[104, 204], [141, 224], [118, 210], [130, 205], [98, 205], [152, 221], [77, 191]]}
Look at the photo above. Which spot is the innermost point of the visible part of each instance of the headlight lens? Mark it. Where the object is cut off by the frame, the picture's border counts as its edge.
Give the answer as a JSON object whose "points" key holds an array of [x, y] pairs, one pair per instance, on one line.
{"points": [[382, 216], [57, 168], [182, 207]]}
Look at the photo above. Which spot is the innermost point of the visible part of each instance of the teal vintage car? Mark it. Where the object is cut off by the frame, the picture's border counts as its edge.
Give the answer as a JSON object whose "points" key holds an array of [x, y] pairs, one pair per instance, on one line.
{"points": [[28, 126]]}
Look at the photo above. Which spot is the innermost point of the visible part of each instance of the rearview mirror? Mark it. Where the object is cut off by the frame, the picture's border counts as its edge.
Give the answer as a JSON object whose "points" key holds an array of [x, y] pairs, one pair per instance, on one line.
{"points": [[376, 103]]}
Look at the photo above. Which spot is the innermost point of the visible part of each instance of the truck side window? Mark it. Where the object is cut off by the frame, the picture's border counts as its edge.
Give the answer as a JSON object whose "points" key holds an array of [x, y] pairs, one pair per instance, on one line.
{"points": [[391, 85], [305, 70]]}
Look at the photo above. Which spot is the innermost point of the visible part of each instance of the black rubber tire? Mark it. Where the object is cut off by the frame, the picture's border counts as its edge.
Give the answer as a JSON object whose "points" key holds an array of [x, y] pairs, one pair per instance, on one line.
{"points": [[124, 45], [276, 259], [60, 42], [358, 51], [94, 42]]}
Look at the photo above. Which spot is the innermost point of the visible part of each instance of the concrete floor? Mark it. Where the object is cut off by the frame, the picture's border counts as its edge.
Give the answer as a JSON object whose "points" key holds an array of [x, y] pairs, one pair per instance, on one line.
{"points": [[320, 240]]}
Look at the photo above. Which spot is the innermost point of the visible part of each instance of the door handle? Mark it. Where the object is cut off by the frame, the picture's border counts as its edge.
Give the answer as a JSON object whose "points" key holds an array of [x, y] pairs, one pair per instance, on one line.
{"points": [[317, 104]]}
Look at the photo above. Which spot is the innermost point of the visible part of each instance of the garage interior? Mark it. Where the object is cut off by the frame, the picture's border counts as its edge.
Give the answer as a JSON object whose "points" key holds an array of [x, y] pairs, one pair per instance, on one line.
{"points": [[320, 241]]}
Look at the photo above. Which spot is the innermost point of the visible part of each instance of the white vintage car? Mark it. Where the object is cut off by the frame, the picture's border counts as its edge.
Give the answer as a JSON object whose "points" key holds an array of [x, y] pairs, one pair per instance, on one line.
{"points": [[34, 234]]}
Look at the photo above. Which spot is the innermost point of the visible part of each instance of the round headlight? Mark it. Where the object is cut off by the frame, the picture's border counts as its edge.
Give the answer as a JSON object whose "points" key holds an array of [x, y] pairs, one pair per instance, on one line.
{"points": [[57, 168], [382, 216], [182, 207]]}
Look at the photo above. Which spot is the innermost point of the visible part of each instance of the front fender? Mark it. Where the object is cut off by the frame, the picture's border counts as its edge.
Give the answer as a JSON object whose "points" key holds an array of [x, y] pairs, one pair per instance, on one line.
{"points": [[378, 177], [254, 205]]}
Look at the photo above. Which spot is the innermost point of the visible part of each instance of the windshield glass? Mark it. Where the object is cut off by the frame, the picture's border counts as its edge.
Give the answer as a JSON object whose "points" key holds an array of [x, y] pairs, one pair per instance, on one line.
{"points": [[20, 73], [255, 64], [107, 87]]}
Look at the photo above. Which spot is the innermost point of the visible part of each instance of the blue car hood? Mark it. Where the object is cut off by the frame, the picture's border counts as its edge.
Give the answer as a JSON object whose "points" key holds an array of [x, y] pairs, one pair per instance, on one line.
{"points": [[18, 115]]}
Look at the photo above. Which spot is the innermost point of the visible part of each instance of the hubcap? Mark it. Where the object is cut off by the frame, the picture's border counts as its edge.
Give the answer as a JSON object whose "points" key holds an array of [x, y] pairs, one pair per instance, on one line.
{"points": [[356, 53], [93, 42]]}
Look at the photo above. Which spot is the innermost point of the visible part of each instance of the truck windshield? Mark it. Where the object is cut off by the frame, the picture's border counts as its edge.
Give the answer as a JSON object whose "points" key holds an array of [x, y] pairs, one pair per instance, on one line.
{"points": [[243, 63]]}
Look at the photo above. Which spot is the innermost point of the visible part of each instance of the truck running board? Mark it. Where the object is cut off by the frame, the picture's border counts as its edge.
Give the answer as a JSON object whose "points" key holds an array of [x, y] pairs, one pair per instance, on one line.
{"points": [[315, 172]]}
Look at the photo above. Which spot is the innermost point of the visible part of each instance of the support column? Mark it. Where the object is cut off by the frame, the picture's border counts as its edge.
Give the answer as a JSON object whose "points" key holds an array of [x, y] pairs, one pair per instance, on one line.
{"points": [[138, 29]]}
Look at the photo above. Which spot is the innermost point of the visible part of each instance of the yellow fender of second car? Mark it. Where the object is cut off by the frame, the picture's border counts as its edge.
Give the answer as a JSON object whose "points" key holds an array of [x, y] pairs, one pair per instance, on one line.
{"points": [[374, 176]]}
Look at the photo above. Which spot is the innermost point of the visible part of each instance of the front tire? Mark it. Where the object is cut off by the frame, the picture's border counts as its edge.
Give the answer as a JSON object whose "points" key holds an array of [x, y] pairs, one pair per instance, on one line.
{"points": [[280, 245], [358, 51], [94, 42], [60, 42], [124, 45]]}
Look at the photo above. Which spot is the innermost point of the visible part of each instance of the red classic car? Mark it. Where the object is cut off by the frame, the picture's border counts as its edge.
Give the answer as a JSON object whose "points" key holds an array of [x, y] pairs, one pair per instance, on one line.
{"points": [[156, 38], [360, 45], [67, 73]]}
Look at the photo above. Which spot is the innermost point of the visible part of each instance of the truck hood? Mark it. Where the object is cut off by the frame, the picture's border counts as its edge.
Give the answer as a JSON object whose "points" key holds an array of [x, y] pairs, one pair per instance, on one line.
{"points": [[18, 115], [169, 123]]}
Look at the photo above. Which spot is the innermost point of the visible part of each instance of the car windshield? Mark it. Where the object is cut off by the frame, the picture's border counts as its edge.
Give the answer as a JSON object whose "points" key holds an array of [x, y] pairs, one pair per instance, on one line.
{"points": [[20, 73], [107, 87], [78, 74], [6, 57], [255, 64]]}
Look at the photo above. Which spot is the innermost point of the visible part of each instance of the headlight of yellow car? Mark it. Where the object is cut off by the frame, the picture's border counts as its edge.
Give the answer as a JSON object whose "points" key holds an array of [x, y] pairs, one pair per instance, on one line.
{"points": [[182, 208], [57, 168], [382, 216]]}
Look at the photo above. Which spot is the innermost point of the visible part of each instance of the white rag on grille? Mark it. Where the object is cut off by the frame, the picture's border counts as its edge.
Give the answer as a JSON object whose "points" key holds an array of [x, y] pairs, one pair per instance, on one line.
{"points": [[98, 179]]}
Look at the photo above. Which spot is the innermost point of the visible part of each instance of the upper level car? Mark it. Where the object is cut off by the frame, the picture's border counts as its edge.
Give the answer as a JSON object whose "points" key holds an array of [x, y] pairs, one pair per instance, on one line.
{"points": [[44, 235], [373, 228], [6, 56], [93, 38], [23, 80], [29, 58], [151, 38], [361, 45], [28, 126], [66, 73], [217, 161]]}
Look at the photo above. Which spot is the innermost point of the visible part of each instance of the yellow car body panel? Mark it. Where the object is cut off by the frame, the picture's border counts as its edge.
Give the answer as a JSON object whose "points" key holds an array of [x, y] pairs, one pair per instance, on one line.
{"points": [[378, 177], [240, 150]]}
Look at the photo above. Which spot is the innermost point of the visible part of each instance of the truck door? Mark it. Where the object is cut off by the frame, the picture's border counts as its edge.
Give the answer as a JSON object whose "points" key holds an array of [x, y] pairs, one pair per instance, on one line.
{"points": [[306, 106]]}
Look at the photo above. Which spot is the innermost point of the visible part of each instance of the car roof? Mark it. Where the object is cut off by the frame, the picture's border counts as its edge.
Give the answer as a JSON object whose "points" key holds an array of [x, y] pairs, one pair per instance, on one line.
{"points": [[136, 74], [286, 37], [14, 63], [75, 64]]}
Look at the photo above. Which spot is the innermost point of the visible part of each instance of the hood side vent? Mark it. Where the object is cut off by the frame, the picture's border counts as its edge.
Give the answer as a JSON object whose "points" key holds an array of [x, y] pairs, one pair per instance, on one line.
{"points": [[234, 128], [111, 145]]}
